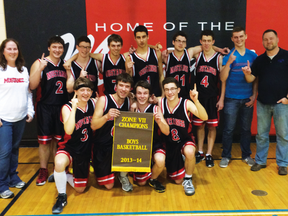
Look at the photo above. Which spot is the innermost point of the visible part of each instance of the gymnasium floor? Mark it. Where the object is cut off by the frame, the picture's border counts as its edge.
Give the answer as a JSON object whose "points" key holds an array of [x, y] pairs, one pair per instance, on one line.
{"points": [[219, 191]]}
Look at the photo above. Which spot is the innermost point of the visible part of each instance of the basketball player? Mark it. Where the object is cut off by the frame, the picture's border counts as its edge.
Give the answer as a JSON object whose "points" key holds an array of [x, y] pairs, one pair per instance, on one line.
{"points": [[142, 93], [49, 75], [208, 67], [75, 146], [176, 112], [83, 66], [107, 108], [145, 63]]}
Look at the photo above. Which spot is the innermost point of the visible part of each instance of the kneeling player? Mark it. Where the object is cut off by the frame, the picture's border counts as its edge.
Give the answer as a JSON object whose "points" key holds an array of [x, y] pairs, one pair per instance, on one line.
{"points": [[75, 145], [176, 111], [142, 92]]}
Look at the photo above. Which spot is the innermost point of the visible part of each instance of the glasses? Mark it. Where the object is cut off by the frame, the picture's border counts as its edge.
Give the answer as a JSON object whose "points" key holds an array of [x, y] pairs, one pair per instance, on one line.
{"points": [[179, 41], [171, 89], [85, 47]]}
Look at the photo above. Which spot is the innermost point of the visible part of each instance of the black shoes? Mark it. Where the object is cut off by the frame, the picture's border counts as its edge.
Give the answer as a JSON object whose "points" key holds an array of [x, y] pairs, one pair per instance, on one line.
{"points": [[157, 185], [60, 203]]}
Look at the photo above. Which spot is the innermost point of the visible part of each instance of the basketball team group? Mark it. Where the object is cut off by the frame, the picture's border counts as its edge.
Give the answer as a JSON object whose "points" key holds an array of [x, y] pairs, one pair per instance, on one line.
{"points": [[76, 126]]}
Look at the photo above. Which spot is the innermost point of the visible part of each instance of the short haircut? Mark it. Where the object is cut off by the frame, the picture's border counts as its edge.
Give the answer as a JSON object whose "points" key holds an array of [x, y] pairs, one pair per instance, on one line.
{"points": [[269, 30], [179, 33], [55, 39], [238, 29], [20, 62], [140, 28], [124, 77], [143, 84], [115, 38], [207, 33], [83, 39], [83, 81], [170, 80]]}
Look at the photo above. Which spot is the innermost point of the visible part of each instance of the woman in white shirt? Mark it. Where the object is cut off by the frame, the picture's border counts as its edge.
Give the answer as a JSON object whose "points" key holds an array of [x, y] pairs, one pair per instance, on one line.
{"points": [[16, 109]]}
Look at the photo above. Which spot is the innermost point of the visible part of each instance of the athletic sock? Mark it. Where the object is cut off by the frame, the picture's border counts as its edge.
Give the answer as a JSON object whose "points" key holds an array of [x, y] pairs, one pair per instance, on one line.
{"points": [[201, 152], [208, 155], [123, 174], [70, 179], [60, 181], [187, 176]]}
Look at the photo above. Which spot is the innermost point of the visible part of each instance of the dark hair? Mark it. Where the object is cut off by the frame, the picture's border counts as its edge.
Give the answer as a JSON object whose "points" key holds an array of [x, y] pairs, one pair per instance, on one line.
{"points": [[238, 29], [116, 38], [207, 33], [83, 81], [143, 84], [269, 30], [179, 33], [20, 62], [140, 28], [170, 80], [124, 77], [83, 38], [55, 39]]}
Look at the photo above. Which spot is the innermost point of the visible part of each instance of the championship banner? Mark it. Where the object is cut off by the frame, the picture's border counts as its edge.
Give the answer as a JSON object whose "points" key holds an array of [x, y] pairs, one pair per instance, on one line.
{"points": [[132, 142]]}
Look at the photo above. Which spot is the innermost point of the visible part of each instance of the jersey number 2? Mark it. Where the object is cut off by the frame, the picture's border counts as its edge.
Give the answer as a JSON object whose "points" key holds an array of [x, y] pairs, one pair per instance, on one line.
{"points": [[59, 89]]}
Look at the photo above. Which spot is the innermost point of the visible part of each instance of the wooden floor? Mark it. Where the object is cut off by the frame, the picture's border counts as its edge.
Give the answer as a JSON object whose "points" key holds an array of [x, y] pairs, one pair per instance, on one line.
{"points": [[219, 191]]}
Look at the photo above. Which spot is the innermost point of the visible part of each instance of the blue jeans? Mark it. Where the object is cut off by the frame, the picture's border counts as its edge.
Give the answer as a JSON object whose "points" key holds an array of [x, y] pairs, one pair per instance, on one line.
{"points": [[10, 137], [280, 116], [233, 108]]}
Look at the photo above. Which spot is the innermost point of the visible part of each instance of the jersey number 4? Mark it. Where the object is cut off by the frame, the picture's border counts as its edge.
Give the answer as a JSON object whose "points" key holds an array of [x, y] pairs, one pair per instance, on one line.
{"points": [[205, 82]]}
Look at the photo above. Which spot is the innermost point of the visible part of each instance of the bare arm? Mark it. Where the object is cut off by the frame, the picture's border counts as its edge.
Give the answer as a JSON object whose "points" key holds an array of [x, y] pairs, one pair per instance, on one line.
{"points": [[220, 103], [160, 70], [67, 64], [35, 72], [69, 116], [248, 73], [97, 56], [196, 108], [69, 81], [159, 118], [129, 65], [192, 51], [226, 69]]}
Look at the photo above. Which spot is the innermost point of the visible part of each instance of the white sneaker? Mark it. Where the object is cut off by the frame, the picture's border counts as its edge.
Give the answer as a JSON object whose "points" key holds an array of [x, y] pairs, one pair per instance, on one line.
{"points": [[126, 185], [7, 194], [188, 187]]}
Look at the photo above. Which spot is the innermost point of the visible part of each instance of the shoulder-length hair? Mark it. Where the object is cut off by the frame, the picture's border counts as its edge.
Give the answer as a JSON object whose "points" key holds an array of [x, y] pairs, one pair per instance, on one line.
{"points": [[20, 62]]}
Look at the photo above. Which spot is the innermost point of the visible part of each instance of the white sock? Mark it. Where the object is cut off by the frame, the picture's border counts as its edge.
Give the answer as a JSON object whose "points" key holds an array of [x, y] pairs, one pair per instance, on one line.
{"points": [[60, 181], [70, 179], [208, 155], [123, 174], [188, 176], [201, 152]]}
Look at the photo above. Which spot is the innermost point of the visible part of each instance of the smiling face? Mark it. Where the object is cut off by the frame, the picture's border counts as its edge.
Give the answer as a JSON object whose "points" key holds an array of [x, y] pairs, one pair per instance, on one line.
{"points": [[171, 91], [83, 49], [115, 48], [270, 41], [123, 89], [207, 42], [179, 43], [142, 95], [11, 53], [239, 39], [56, 50], [83, 94]]}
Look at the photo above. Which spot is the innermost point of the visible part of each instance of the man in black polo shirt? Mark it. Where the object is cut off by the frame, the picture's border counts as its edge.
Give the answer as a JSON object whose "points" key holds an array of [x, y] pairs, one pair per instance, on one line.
{"points": [[271, 70]]}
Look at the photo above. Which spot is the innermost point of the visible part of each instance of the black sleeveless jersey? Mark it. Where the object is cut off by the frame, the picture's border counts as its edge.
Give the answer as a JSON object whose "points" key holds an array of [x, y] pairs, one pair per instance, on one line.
{"points": [[79, 142], [110, 71], [156, 135], [180, 70], [147, 69], [207, 75], [52, 89], [92, 72], [178, 121], [104, 135]]}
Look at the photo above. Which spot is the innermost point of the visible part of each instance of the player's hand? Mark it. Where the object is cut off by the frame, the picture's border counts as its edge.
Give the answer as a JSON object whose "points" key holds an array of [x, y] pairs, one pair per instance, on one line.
{"points": [[157, 116], [153, 99], [283, 100], [43, 62], [96, 96], [158, 46], [1, 123], [29, 118], [251, 102], [129, 63], [132, 49], [194, 94], [113, 113], [220, 105], [225, 51], [247, 70], [83, 73], [67, 65], [74, 101], [232, 57], [133, 107]]}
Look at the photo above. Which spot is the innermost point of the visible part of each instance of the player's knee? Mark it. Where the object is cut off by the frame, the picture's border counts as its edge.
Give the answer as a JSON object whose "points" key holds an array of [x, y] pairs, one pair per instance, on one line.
{"points": [[189, 152], [142, 183], [80, 189], [59, 166], [109, 186], [160, 161], [179, 181]]}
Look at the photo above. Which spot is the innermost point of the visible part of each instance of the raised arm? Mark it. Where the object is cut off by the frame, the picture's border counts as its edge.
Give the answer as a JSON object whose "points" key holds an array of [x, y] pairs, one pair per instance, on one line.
{"points": [[226, 68], [160, 69], [129, 65], [35, 72], [247, 72], [159, 118], [196, 108], [68, 116], [67, 64]]}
